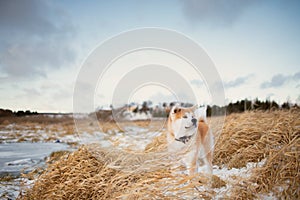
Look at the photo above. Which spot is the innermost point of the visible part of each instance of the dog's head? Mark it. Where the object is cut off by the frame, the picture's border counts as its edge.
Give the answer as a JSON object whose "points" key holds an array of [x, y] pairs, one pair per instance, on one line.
{"points": [[183, 122]]}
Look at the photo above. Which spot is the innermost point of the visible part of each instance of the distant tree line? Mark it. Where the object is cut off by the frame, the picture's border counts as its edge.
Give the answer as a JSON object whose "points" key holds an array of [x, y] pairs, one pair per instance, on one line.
{"points": [[20, 113], [247, 105], [163, 110], [237, 107]]}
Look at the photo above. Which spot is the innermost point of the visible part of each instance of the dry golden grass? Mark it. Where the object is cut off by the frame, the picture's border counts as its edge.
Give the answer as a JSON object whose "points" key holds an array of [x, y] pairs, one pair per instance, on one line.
{"points": [[158, 144], [152, 125], [253, 136], [36, 128], [35, 119], [96, 173], [101, 175]]}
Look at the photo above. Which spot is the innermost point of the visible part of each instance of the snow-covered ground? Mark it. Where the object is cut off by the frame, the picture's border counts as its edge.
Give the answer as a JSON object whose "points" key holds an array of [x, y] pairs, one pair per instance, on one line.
{"points": [[11, 189], [136, 116], [132, 137], [232, 177]]}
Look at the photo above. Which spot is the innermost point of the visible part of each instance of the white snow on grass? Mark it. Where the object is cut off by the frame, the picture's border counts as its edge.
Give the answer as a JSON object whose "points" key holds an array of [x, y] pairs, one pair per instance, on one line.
{"points": [[233, 176], [137, 116]]}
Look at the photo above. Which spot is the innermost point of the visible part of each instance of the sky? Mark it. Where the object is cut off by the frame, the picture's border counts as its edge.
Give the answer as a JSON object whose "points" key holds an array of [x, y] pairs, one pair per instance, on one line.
{"points": [[254, 45]]}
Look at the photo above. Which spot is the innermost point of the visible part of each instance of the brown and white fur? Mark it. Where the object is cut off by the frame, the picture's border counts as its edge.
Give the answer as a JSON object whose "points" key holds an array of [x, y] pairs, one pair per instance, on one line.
{"points": [[190, 137]]}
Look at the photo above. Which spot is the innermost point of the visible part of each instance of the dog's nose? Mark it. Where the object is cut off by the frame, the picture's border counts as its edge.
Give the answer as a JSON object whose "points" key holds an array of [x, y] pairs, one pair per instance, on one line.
{"points": [[194, 121]]}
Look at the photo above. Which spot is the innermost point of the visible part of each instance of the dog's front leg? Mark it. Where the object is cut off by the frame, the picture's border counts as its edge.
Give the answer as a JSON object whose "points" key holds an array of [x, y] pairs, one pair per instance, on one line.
{"points": [[193, 167], [190, 162]]}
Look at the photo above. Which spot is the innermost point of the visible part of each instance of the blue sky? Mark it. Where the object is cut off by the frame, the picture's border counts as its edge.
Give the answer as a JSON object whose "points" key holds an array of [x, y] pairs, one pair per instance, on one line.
{"points": [[254, 44]]}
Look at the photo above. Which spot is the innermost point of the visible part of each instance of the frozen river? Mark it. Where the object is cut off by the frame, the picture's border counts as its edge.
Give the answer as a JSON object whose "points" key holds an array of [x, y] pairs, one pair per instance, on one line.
{"points": [[15, 157]]}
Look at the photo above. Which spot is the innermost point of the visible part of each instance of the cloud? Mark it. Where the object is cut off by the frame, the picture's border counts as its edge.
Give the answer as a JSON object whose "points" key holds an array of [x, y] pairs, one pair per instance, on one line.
{"points": [[160, 97], [268, 97], [298, 100], [296, 76], [197, 82], [31, 92], [57, 90], [279, 80], [238, 81], [218, 12], [100, 96], [35, 37], [25, 16]]}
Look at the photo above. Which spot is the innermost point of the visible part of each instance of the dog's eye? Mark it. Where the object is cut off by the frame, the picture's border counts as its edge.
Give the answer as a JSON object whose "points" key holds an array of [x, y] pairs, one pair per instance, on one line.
{"points": [[184, 116]]}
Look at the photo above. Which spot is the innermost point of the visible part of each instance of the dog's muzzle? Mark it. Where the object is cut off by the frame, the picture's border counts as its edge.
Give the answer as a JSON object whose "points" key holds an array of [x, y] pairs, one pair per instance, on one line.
{"points": [[194, 124], [194, 121]]}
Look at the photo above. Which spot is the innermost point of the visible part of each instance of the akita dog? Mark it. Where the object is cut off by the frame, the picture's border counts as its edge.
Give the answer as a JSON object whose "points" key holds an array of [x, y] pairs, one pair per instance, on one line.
{"points": [[190, 137]]}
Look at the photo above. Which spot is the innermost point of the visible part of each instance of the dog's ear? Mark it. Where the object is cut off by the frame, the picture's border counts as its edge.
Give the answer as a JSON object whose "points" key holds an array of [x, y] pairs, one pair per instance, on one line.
{"points": [[175, 109], [194, 108], [200, 113]]}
